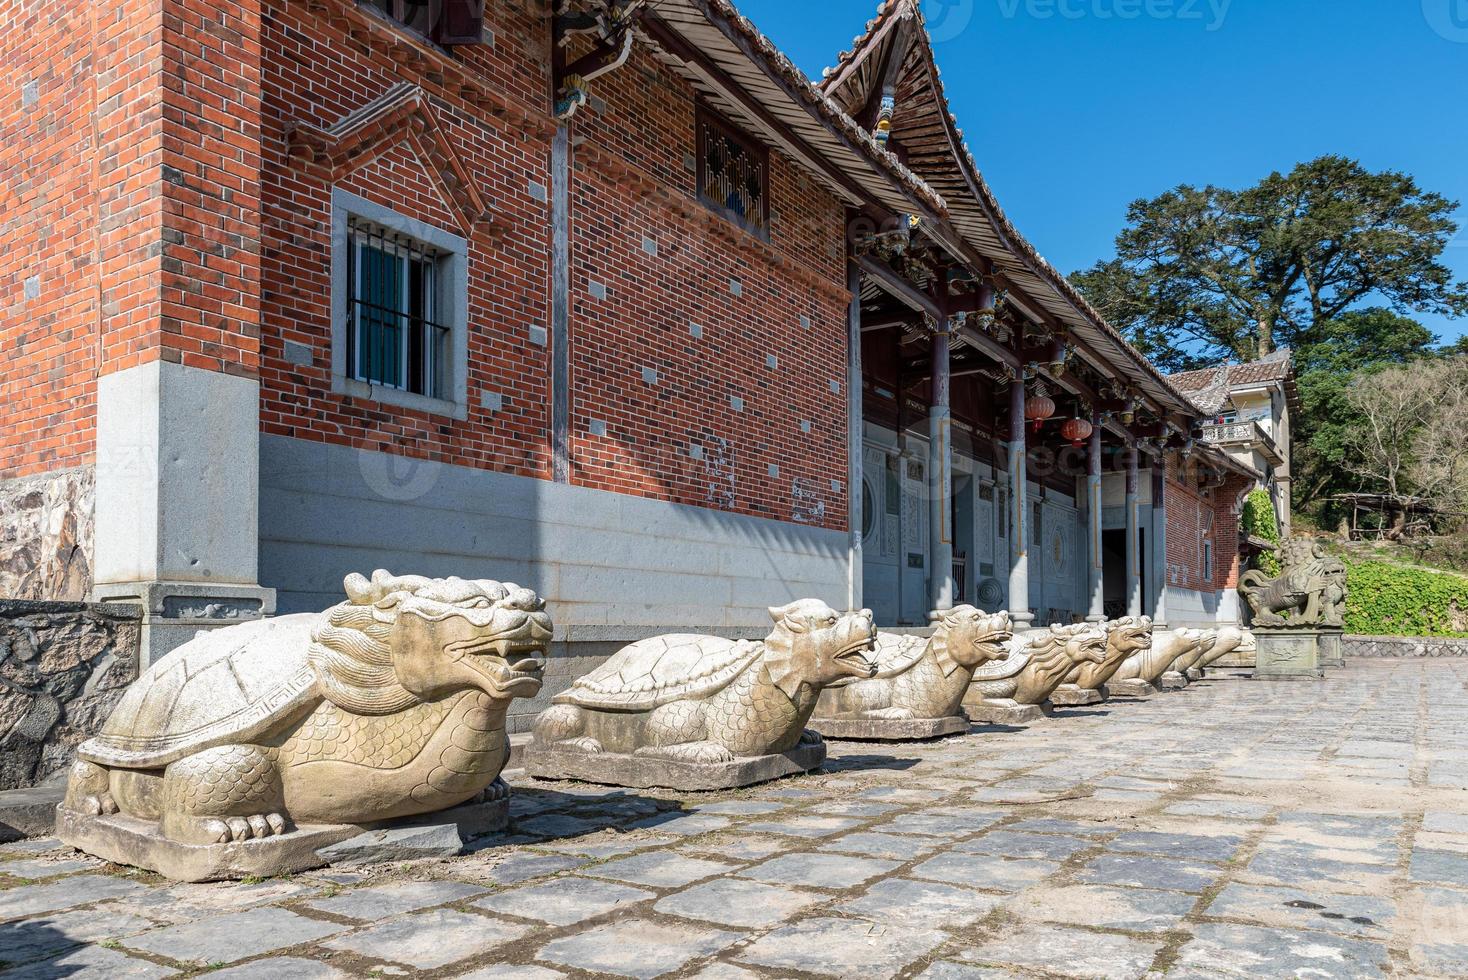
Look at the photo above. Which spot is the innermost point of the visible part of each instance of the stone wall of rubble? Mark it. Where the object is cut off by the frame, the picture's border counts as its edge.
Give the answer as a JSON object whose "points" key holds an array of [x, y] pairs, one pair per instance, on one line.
{"points": [[1405, 646], [63, 666], [46, 535]]}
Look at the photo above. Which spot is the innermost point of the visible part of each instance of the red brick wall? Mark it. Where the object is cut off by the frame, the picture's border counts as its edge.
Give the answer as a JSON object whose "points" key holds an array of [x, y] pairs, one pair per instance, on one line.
{"points": [[629, 180], [76, 148], [321, 65], [633, 180], [1202, 504]]}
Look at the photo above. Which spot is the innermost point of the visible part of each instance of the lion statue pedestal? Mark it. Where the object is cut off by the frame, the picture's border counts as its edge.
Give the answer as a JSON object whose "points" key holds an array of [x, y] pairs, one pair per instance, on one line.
{"points": [[1016, 690], [694, 713], [918, 689], [250, 748]]}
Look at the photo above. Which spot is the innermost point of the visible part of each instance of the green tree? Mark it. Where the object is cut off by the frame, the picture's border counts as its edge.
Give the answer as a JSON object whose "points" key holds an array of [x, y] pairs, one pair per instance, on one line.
{"points": [[1207, 273], [1348, 351]]}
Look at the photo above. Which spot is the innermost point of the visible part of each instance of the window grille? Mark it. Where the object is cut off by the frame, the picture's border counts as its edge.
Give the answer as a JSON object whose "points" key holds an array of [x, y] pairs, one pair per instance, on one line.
{"points": [[733, 174], [395, 338], [446, 22]]}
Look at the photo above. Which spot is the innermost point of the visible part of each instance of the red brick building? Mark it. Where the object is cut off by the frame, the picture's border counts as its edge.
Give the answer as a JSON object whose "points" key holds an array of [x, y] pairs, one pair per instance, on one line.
{"points": [[604, 297]]}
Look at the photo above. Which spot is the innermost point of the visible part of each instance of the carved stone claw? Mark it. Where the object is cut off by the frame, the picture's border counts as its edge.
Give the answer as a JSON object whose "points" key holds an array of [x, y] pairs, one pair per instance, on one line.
{"points": [[891, 714], [583, 743], [704, 753], [809, 737]]}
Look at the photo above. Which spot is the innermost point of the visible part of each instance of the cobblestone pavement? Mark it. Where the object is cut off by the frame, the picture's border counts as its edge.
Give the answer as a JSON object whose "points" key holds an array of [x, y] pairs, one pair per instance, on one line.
{"points": [[1237, 828]]}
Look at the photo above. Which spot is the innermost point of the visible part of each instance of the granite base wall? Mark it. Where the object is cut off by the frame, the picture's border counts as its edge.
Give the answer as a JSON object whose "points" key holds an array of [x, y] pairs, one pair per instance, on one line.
{"points": [[63, 666], [1405, 646]]}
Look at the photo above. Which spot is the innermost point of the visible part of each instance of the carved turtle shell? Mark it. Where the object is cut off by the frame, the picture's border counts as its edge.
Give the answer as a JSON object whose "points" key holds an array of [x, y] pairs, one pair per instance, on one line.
{"points": [[897, 654], [225, 686], [655, 671]]}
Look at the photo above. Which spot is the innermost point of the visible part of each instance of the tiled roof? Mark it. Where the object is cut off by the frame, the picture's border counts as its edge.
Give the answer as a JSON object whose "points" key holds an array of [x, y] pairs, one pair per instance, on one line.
{"points": [[1275, 367]]}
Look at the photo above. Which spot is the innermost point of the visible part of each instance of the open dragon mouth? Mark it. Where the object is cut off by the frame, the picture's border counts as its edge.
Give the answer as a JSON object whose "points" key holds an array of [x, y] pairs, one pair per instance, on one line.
{"points": [[854, 658]]}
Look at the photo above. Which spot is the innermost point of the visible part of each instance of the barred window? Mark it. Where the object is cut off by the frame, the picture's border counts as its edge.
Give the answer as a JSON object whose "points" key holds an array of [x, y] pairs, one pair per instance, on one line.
{"points": [[733, 173], [446, 22], [395, 337]]}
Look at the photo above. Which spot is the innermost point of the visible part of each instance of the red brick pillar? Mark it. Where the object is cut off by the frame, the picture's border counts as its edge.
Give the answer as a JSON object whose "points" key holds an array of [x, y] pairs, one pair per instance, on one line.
{"points": [[178, 396]]}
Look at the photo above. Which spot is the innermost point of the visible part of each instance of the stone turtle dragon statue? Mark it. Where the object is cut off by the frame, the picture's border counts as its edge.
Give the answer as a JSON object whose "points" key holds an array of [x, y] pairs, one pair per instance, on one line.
{"points": [[1038, 663], [920, 677], [1124, 637], [390, 704], [706, 700]]}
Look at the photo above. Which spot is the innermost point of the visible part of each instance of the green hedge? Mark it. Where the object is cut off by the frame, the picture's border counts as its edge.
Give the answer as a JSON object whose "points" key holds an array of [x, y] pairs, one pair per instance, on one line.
{"points": [[1395, 600], [1257, 519]]}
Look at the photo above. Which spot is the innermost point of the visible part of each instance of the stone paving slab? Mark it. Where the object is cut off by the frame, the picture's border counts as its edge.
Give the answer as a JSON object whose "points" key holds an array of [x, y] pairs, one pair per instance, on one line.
{"points": [[1230, 829], [731, 902], [1247, 951], [429, 940], [233, 937], [564, 901], [1073, 952], [842, 948], [636, 948]]}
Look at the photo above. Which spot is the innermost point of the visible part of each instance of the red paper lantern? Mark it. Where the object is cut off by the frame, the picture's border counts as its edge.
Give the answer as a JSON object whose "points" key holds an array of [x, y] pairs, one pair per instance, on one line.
{"points": [[1038, 408], [1077, 431]]}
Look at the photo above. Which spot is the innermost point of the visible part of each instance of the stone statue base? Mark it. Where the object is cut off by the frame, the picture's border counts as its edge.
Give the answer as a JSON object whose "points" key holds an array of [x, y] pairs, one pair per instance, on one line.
{"points": [[889, 729], [1172, 681], [1132, 687], [1069, 695], [1006, 711], [137, 842], [1332, 646], [1287, 654], [647, 772]]}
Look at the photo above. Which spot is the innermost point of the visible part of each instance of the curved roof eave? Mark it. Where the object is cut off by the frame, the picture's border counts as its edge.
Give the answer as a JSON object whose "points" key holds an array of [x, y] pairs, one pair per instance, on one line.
{"points": [[978, 215]]}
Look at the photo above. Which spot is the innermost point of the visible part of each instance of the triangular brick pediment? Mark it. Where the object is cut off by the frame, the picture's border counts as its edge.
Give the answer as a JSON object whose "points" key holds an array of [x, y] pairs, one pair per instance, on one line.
{"points": [[401, 115]]}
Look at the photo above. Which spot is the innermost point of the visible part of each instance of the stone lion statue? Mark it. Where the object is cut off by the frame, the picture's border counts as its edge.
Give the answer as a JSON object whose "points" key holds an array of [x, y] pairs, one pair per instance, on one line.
{"points": [[390, 704], [1310, 590]]}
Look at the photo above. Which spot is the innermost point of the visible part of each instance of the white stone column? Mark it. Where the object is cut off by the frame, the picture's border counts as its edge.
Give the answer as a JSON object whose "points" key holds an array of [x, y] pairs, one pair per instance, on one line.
{"points": [[1097, 612], [177, 511], [1133, 553], [1019, 559], [940, 475], [1159, 540]]}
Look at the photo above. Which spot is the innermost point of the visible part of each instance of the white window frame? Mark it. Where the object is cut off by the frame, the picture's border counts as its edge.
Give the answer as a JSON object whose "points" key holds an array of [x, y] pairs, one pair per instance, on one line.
{"points": [[450, 297]]}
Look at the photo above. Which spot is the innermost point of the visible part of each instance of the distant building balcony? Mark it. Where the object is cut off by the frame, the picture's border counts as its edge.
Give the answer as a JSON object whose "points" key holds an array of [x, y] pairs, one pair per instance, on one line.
{"points": [[1244, 435]]}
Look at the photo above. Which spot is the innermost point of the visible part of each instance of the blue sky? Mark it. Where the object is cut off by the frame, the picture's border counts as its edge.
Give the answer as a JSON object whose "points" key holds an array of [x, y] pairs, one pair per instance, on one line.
{"points": [[1074, 110]]}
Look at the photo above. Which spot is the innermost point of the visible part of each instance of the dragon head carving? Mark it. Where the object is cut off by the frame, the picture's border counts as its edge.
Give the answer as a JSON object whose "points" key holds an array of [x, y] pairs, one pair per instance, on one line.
{"points": [[813, 644], [1084, 643], [1129, 634], [969, 637], [400, 640]]}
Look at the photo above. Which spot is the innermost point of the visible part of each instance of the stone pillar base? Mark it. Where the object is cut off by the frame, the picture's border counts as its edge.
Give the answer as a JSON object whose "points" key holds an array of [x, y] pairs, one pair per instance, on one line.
{"points": [[1332, 646], [173, 612], [1287, 654]]}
